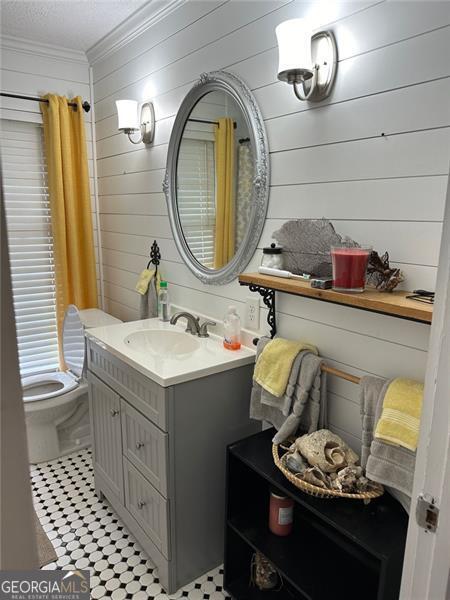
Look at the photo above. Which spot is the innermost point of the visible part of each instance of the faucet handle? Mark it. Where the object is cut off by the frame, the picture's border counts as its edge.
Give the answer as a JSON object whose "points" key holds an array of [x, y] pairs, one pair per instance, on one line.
{"points": [[193, 326], [204, 328]]}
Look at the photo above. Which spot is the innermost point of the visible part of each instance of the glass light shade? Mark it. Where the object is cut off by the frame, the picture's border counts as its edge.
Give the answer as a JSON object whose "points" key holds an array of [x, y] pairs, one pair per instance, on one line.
{"points": [[127, 112], [294, 48]]}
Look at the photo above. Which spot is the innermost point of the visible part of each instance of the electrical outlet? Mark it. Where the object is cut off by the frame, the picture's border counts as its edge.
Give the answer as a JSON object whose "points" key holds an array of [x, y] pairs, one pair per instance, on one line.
{"points": [[252, 313]]}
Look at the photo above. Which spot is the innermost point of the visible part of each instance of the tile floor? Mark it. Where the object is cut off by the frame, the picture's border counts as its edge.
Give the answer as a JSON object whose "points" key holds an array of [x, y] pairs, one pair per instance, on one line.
{"points": [[87, 534]]}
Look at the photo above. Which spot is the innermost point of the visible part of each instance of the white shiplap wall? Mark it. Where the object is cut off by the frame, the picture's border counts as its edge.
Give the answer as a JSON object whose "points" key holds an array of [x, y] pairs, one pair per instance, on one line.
{"points": [[35, 69], [327, 160]]}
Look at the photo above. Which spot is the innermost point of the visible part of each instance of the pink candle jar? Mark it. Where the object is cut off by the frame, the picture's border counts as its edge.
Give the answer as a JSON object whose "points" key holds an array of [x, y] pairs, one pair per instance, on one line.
{"points": [[281, 514], [349, 268]]}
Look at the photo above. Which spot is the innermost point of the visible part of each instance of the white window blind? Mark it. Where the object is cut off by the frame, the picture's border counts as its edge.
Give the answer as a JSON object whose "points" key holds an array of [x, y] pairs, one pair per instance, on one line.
{"points": [[196, 197], [30, 242]]}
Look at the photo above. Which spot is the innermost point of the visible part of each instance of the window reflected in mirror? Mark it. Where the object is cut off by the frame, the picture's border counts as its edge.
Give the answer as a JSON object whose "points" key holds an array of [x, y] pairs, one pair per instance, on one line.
{"points": [[215, 171]]}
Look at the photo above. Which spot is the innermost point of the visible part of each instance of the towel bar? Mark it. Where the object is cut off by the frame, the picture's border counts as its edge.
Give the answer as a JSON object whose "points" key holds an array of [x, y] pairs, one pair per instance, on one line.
{"points": [[332, 371], [341, 374]]}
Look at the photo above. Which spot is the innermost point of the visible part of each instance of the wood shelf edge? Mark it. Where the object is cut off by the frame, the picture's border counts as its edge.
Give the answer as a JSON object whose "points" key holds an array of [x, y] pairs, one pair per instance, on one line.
{"points": [[394, 304]]}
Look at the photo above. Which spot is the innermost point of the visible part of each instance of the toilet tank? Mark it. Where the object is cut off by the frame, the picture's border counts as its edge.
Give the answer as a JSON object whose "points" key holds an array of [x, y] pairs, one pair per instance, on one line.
{"points": [[94, 317]]}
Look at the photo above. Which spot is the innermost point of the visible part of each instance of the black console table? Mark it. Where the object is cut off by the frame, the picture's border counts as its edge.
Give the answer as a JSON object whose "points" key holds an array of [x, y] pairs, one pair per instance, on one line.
{"points": [[338, 549]]}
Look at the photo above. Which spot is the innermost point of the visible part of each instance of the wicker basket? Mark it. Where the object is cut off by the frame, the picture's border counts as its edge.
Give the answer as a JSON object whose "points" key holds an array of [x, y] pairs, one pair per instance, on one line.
{"points": [[314, 490]]}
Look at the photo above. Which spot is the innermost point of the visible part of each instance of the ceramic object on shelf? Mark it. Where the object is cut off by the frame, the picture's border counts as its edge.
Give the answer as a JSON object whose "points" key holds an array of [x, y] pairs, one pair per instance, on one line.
{"points": [[272, 257]]}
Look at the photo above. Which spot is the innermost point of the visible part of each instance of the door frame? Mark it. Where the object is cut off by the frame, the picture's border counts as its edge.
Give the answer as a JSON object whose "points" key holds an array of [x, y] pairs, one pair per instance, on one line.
{"points": [[427, 555]]}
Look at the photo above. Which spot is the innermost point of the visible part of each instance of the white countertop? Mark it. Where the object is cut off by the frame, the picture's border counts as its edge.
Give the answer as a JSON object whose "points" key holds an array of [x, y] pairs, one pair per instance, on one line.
{"points": [[165, 368]]}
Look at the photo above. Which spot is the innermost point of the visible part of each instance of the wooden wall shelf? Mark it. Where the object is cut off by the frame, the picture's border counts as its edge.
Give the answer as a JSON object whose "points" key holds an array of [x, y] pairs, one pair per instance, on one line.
{"points": [[394, 304]]}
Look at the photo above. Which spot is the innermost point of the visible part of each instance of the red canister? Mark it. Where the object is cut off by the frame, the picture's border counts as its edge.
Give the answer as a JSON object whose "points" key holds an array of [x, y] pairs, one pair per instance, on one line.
{"points": [[281, 514]]}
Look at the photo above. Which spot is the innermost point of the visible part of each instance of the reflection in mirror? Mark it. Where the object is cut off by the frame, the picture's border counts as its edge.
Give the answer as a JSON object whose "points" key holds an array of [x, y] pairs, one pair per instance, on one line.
{"points": [[214, 175]]}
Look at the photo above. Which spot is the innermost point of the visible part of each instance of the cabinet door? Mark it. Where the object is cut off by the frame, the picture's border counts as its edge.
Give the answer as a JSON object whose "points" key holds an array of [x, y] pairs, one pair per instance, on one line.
{"points": [[107, 435], [145, 395], [145, 446], [148, 507]]}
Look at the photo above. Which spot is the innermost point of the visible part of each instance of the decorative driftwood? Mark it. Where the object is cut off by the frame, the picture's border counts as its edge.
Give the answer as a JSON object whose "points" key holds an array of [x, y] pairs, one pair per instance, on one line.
{"points": [[306, 245], [380, 274]]}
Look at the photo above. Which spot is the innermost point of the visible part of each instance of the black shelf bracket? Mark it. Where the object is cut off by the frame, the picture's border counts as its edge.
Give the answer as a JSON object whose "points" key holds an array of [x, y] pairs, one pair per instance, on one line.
{"points": [[268, 296]]}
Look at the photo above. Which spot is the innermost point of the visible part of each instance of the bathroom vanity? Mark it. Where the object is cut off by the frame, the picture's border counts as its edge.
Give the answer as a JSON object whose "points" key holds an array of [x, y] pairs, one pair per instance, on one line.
{"points": [[164, 405]]}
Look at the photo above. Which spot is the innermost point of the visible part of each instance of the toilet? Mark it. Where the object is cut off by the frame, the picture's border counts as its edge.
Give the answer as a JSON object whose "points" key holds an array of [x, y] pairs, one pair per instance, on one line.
{"points": [[56, 404]]}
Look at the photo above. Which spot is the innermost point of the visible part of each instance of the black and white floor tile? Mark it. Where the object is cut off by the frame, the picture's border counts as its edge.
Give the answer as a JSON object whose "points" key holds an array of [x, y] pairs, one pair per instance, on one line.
{"points": [[87, 534]]}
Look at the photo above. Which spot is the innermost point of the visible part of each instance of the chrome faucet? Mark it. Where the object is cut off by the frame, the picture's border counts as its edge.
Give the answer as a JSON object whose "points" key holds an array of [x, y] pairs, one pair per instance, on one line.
{"points": [[193, 326]]}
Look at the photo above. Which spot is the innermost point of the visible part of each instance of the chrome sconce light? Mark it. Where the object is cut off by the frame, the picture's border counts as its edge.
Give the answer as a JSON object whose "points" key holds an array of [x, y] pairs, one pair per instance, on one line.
{"points": [[131, 120], [307, 62]]}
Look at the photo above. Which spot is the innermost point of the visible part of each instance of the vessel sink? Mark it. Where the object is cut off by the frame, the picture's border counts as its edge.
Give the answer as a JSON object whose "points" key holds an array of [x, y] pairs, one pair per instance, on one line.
{"points": [[162, 342]]}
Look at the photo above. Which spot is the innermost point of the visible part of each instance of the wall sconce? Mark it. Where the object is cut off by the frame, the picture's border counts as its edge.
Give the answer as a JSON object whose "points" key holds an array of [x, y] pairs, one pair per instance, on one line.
{"points": [[131, 120], [307, 62]]}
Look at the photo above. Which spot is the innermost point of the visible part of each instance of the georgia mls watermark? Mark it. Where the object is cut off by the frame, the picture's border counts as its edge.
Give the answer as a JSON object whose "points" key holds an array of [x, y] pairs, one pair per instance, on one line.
{"points": [[44, 585]]}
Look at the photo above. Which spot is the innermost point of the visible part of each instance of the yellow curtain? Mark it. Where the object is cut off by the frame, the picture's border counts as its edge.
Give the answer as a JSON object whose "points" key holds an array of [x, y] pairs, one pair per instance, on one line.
{"points": [[225, 236], [70, 203]]}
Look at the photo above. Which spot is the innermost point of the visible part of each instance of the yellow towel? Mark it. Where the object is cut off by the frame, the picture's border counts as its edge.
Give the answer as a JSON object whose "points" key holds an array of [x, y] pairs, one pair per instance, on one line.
{"points": [[274, 364], [144, 281], [400, 418]]}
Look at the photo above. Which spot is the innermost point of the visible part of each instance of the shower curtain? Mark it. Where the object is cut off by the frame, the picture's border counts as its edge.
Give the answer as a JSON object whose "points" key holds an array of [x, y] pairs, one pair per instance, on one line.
{"points": [[225, 210], [244, 190], [70, 205]]}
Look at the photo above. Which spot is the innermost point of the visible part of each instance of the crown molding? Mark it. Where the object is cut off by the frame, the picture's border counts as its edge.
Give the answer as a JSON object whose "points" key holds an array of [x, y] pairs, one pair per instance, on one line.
{"points": [[9, 42], [140, 21]]}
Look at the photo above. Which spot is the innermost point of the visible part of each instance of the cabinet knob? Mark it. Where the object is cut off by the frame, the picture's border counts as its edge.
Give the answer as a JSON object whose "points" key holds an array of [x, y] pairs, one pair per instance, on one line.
{"points": [[114, 412], [141, 504], [139, 445]]}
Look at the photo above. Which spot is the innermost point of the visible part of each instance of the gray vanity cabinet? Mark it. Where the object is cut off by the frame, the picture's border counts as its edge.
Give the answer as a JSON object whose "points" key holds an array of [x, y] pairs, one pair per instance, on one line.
{"points": [[105, 412], [159, 458]]}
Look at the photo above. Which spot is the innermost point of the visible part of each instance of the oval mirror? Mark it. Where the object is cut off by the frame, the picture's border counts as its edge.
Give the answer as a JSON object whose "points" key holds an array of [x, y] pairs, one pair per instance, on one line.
{"points": [[217, 177]]}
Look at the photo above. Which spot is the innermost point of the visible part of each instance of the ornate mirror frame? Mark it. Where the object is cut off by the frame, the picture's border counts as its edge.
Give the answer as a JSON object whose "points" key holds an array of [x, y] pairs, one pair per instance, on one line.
{"points": [[233, 85]]}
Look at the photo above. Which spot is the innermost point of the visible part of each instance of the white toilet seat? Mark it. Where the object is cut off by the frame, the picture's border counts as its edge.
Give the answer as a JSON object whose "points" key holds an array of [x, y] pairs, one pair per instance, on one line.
{"points": [[68, 381], [56, 404], [73, 350]]}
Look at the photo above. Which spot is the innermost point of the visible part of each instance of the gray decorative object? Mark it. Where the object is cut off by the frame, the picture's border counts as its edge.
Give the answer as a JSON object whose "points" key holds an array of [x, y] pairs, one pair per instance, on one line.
{"points": [[239, 92], [306, 245]]}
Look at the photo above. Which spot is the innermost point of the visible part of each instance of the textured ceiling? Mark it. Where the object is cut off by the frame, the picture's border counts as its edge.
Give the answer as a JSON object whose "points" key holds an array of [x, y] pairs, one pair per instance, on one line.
{"points": [[75, 24]]}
